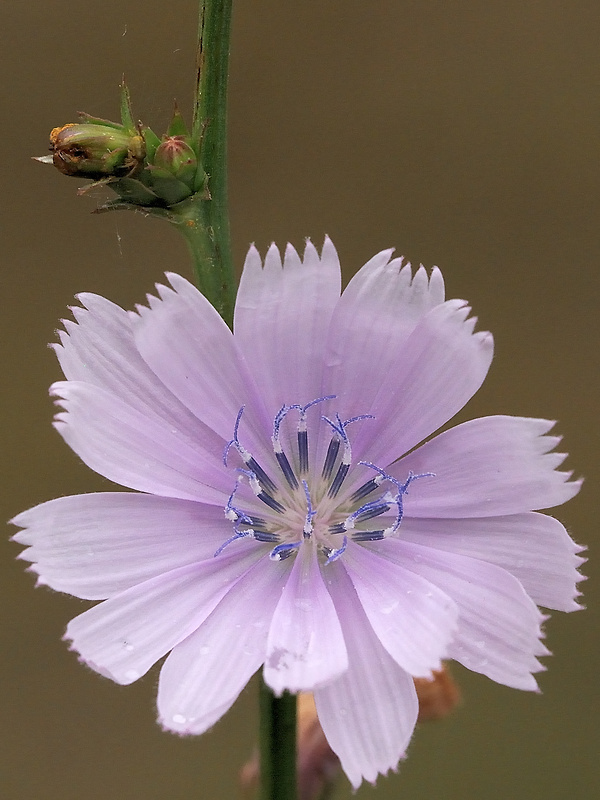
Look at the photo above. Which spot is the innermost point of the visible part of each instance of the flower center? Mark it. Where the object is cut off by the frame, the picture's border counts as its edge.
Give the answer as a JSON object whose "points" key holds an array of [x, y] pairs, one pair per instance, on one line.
{"points": [[300, 506]]}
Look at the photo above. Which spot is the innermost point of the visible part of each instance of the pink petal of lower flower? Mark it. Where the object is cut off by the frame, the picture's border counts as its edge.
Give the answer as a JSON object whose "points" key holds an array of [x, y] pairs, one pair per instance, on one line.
{"points": [[487, 467], [499, 626], [305, 646], [124, 636], [139, 450], [533, 547], [413, 619], [205, 673], [96, 545], [368, 714]]}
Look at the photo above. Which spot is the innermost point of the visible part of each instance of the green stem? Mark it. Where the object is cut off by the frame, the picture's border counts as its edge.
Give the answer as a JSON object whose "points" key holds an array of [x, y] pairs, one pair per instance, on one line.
{"points": [[204, 218], [277, 745]]}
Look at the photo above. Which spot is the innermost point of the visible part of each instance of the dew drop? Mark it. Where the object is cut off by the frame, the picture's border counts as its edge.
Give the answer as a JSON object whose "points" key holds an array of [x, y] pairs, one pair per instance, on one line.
{"points": [[129, 647], [389, 608], [132, 675], [179, 719]]}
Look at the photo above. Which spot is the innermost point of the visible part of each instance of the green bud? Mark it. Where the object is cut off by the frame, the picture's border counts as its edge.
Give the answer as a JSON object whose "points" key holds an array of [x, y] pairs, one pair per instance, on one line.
{"points": [[94, 150], [176, 156]]}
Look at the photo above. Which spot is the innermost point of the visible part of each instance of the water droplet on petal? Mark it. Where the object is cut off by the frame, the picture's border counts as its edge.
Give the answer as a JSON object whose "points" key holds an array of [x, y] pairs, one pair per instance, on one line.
{"points": [[179, 719], [129, 647], [389, 608], [132, 675]]}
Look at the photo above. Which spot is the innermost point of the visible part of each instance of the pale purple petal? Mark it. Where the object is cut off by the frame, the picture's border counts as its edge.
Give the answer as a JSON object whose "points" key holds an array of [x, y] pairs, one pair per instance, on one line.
{"points": [[439, 368], [96, 545], [137, 449], [99, 349], [414, 620], [535, 548], [282, 317], [191, 349], [205, 673], [499, 626], [375, 316], [369, 713], [124, 636], [305, 647], [487, 467]]}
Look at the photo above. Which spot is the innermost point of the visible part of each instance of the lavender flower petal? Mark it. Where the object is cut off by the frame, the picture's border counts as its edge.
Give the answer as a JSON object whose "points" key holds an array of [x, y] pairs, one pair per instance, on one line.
{"points": [[96, 545], [499, 627], [136, 449], [125, 635], [205, 673], [413, 619], [99, 349], [535, 548], [306, 647], [189, 347], [369, 713], [440, 368], [488, 466], [282, 317], [382, 303]]}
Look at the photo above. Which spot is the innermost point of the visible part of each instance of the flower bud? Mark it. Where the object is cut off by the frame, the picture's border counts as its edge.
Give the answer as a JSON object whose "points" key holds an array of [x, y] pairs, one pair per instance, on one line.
{"points": [[177, 157], [93, 150]]}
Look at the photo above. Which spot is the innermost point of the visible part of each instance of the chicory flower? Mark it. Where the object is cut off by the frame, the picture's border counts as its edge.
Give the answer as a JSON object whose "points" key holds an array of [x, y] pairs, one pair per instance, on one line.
{"points": [[287, 514]]}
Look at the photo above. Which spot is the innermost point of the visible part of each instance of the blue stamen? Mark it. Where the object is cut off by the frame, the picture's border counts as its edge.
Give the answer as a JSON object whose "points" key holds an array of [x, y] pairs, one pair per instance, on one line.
{"points": [[237, 535], [271, 502], [366, 489], [369, 510], [339, 428], [234, 441], [286, 468], [335, 554], [310, 514], [332, 453], [247, 457], [398, 499], [338, 480], [368, 536], [302, 448], [283, 551]]}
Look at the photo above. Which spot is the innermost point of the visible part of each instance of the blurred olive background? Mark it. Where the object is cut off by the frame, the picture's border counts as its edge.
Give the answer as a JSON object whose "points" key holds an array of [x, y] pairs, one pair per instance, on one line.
{"points": [[466, 135]]}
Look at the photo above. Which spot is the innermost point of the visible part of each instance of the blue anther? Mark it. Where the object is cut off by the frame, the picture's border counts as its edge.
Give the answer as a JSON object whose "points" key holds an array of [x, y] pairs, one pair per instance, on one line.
{"points": [[235, 441], [368, 536], [283, 551], [366, 489], [369, 510], [240, 517], [234, 538], [402, 490], [330, 457], [318, 400], [310, 514], [280, 416], [339, 429], [335, 554]]}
